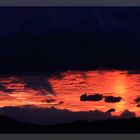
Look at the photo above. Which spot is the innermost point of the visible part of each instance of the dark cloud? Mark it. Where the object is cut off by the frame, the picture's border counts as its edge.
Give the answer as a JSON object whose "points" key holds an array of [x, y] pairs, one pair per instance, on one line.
{"points": [[49, 100], [61, 102], [112, 99], [138, 106], [98, 97], [111, 110], [88, 33], [137, 99], [4, 89], [95, 97], [127, 114], [8, 90], [37, 83], [134, 72], [52, 102]]}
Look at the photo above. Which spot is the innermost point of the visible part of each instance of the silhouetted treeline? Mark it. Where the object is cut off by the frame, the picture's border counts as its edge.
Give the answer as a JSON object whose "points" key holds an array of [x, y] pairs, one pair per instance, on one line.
{"points": [[8, 125]]}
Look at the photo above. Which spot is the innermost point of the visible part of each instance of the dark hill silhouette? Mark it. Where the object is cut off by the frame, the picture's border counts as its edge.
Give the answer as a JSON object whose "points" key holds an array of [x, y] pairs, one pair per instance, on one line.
{"points": [[132, 125]]}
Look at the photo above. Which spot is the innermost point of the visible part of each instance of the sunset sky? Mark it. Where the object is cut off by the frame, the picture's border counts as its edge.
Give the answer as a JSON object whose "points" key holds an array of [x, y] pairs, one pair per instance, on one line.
{"points": [[51, 56]]}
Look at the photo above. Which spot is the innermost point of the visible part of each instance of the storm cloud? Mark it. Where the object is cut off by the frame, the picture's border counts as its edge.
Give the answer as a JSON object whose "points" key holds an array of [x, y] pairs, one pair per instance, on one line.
{"points": [[62, 38]]}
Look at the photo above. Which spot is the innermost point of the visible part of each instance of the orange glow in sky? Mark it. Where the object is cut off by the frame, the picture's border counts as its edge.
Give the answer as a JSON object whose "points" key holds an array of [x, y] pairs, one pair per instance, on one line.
{"points": [[64, 91]]}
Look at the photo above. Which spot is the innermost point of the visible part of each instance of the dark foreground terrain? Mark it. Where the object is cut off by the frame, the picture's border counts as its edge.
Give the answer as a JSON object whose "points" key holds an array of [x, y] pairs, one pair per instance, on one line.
{"points": [[8, 125]]}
